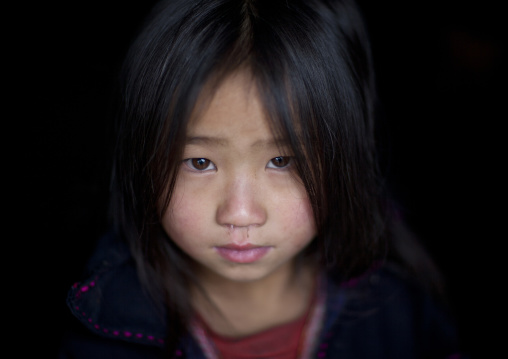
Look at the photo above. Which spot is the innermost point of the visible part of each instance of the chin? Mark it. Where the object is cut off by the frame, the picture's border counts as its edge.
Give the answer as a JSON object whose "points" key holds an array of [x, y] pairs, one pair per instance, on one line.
{"points": [[244, 273]]}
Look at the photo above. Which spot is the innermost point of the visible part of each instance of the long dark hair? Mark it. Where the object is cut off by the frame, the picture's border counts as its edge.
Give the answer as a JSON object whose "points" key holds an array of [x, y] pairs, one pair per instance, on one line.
{"points": [[312, 64]]}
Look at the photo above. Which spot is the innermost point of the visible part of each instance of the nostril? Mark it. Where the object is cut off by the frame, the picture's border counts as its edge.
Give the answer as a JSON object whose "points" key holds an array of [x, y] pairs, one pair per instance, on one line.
{"points": [[244, 230]]}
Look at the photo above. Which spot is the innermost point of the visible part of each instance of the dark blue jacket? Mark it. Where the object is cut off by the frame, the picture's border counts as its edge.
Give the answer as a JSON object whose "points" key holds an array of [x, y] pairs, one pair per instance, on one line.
{"points": [[383, 315]]}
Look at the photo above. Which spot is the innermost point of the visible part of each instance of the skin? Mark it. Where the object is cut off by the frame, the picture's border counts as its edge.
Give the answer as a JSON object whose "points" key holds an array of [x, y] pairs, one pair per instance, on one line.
{"points": [[237, 185]]}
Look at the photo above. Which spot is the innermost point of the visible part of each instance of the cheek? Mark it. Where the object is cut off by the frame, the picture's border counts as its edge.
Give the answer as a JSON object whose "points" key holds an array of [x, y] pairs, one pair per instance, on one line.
{"points": [[300, 225], [183, 217], [301, 211]]}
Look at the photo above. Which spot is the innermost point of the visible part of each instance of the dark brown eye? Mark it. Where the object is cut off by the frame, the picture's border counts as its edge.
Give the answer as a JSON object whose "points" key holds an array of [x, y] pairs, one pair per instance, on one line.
{"points": [[200, 164], [279, 162]]}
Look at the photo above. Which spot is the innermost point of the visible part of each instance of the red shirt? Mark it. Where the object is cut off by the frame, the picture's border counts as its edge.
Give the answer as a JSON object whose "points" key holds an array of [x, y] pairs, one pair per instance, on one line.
{"points": [[281, 342]]}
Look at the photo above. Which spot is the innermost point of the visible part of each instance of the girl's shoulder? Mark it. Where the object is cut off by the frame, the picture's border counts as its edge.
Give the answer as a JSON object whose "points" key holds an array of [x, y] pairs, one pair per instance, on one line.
{"points": [[386, 310], [111, 302]]}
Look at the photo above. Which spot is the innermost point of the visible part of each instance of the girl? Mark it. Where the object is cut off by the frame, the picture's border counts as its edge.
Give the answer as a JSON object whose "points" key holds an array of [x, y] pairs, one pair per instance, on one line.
{"points": [[249, 220]]}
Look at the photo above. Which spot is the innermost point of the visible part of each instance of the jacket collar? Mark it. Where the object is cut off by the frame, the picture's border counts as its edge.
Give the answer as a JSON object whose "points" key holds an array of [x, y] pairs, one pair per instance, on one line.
{"points": [[112, 302]]}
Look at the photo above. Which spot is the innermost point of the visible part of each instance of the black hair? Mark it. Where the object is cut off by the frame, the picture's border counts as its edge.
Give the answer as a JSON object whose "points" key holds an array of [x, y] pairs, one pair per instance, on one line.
{"points": [[312, 64]]}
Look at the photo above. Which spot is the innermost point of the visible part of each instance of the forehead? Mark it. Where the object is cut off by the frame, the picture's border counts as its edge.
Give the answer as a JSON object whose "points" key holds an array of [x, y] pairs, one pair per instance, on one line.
{"points": [[231, 107]]}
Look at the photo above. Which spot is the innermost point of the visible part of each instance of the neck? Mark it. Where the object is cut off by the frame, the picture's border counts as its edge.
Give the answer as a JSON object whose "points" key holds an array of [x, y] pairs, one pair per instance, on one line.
{"points": [[238, 309]]}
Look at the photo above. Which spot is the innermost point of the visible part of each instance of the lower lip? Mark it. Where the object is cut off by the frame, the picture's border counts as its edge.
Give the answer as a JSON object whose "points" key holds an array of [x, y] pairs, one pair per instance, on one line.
{"points": [[243, 255]]}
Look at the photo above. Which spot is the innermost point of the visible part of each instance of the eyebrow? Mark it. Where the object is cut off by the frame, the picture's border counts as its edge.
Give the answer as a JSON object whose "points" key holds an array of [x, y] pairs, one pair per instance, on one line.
{"points": [[219, 141], [206, 140]]}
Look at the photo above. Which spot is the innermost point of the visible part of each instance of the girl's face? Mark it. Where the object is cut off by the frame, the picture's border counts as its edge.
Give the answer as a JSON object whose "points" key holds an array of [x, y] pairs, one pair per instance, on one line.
{"points": [[238, 208]]}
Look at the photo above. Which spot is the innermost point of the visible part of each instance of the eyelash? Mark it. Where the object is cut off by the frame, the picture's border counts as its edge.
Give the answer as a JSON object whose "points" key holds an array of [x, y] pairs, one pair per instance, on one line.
{"points": [[194, 163]]}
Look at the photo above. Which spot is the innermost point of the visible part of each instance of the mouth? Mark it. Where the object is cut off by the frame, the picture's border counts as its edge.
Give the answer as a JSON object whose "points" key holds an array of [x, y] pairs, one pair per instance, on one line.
{"points": [[244, 254]]}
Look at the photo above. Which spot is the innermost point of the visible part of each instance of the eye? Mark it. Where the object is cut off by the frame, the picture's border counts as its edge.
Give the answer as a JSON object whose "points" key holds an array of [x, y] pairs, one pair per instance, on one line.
{"points": [[279, 162], [200, 164]]}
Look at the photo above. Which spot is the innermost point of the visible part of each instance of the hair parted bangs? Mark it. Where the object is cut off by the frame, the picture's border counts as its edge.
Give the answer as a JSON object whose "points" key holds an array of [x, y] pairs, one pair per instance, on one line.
{"points": [[311, 63]]}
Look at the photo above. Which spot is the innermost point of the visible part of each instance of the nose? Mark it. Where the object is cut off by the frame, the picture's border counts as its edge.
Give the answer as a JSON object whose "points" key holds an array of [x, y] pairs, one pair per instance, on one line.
{"points": [[242, 204]]}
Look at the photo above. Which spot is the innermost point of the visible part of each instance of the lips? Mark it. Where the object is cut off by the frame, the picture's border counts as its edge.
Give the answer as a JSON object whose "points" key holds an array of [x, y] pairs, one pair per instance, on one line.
{"points": [[247, 253]]}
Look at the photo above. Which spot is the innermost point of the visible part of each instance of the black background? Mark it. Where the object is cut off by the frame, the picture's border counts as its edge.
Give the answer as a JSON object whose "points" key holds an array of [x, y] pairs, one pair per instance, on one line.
{"points": [[440, 69]]}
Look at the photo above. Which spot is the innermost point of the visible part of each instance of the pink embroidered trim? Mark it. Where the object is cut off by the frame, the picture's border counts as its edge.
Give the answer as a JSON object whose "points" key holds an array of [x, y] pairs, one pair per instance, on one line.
{"points": [[84, 289]]}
